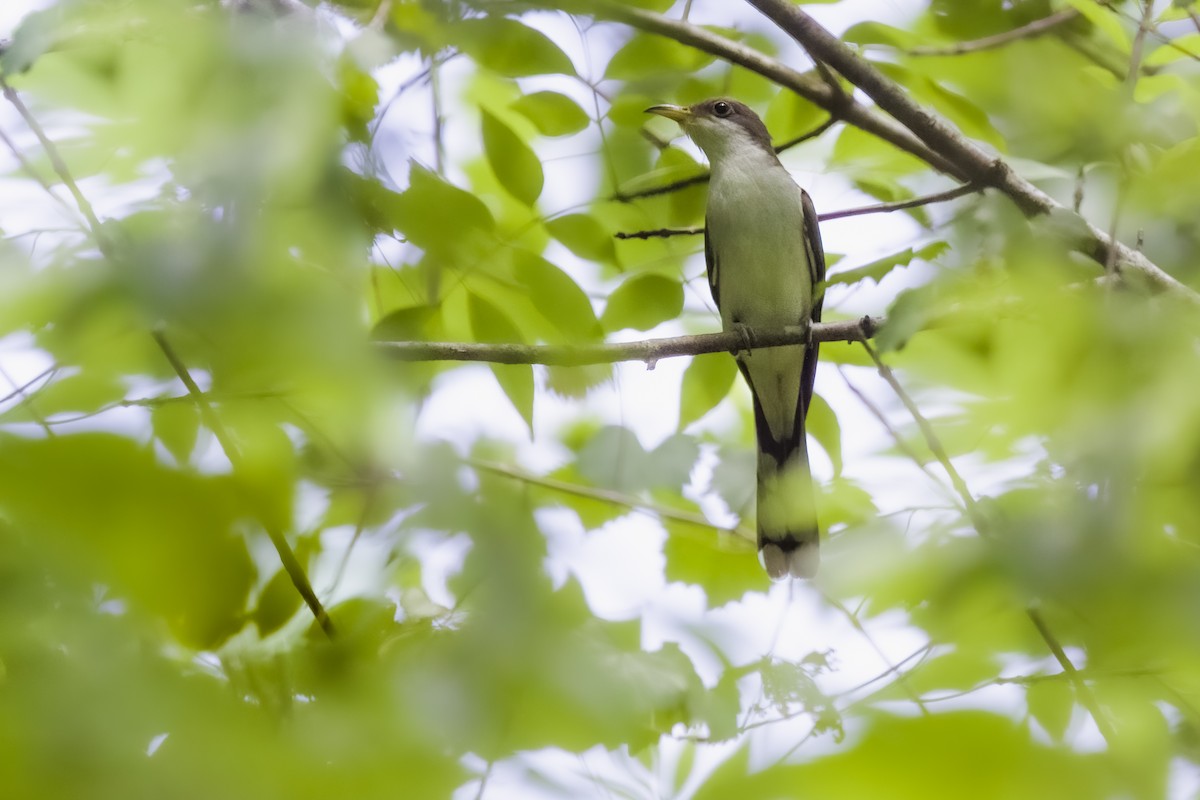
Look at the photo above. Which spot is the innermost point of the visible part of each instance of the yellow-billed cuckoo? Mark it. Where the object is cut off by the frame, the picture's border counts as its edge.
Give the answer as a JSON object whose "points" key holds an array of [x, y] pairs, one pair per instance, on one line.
{"points": [[765, 267]]}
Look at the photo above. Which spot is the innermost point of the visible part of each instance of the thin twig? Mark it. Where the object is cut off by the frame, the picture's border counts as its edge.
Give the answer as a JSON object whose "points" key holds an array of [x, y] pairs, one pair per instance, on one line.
{"points": [[56, 161], [900, 205], [901, 444], [1029, 31], [649, 350], [877, 208], [287, 556], [1139, 46], [607, 496], [901, 677], [980, 523]]}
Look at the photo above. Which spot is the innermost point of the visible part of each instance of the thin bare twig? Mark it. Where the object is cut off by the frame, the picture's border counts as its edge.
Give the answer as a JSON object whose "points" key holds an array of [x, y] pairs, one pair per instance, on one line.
{"points": [[900, 205], [607, 496], [1139, 46], [981, 525], [1029, 31], [649, 350], [287, 556], [877, 208]]}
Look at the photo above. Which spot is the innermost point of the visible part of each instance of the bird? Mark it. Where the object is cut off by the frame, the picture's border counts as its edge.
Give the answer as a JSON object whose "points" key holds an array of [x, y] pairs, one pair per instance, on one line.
{"points": [[766, 268]]}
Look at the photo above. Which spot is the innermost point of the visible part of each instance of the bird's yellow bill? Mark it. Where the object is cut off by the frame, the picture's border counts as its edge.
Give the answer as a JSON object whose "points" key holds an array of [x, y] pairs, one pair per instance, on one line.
{"points": [[677, 113]]}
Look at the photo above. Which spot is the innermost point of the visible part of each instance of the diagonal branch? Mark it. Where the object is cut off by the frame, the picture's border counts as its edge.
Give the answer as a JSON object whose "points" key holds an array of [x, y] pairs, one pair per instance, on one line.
{"points": [[649, 350], [940, 136], [287, 556], [811, 88], [981, 525]]}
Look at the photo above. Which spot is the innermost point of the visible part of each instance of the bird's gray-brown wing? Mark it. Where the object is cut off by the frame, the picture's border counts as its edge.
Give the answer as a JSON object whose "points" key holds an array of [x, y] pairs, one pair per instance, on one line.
{"points": [[710, 262], [816, 266]]}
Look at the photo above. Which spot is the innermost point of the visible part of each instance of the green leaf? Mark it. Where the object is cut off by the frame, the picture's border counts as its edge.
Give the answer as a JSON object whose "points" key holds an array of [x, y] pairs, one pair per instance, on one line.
{"points": [[1179, 48], [1104, 19], [433, 214], [614, 459], [1051, 703], [490, 324], [556, 297], [822, 425], [879, 269], [177, 425], [791, 115], [277, 603], [866, 33], [670, 464], [510, 48], [553, 113], [642, 302], [160, 537], [724, 565], [515, 165], [584, 236], [706, 382], [647, 54], [37, 34]]}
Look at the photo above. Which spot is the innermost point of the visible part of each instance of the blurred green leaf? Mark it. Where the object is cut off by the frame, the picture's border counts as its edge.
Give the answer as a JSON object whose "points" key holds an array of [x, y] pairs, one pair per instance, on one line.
{"points": [[645, 54], [557, 297], [510, 48], [642, 302], [553, 113], [515, 165], [584, 236], [490, 324], [706, 382]]}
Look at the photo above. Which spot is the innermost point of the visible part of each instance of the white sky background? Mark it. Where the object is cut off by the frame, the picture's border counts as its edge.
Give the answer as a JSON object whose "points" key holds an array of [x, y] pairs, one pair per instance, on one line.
{"points": [[620, 564]]}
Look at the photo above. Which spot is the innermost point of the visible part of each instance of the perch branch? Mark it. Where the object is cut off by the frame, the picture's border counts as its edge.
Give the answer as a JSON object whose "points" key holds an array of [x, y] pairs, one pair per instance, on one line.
{"points": [[650, 350]]}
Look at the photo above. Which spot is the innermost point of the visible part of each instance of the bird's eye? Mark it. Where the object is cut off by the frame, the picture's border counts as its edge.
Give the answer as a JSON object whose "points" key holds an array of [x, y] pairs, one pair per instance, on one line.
{"points": [[722, 109]]}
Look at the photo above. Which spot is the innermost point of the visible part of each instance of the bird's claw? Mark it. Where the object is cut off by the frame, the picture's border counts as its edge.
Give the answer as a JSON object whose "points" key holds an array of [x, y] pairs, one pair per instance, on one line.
{"points": [[746, 334]]}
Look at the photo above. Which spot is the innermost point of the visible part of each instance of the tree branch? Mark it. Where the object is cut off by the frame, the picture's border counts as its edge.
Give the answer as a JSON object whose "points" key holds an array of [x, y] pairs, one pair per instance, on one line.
{"points": [[649, 350], [940, 136], [287, 556], [1029, 31], [811, 88]]}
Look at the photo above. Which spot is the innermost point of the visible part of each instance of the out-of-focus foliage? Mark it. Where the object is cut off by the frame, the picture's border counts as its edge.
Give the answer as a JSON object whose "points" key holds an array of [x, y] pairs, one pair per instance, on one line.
{"points": [[272, 197]]}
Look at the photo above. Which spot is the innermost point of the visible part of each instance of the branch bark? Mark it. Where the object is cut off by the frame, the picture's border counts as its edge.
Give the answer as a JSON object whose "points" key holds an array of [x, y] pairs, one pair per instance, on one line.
{"points": [[940, 136], [812, 88], [650, 350]]}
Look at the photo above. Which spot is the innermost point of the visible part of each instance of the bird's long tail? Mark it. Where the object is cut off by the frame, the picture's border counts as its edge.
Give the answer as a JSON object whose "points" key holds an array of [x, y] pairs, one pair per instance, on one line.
{"points": [[788, 538]]}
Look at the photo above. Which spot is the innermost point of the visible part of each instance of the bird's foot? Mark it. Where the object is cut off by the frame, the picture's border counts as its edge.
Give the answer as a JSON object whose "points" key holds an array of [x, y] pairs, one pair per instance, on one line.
{"points": [[746, 334]]}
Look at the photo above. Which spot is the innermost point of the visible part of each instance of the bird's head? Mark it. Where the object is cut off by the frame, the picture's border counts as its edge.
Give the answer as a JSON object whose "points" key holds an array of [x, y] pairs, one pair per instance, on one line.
{"points": [[719, 126]]}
